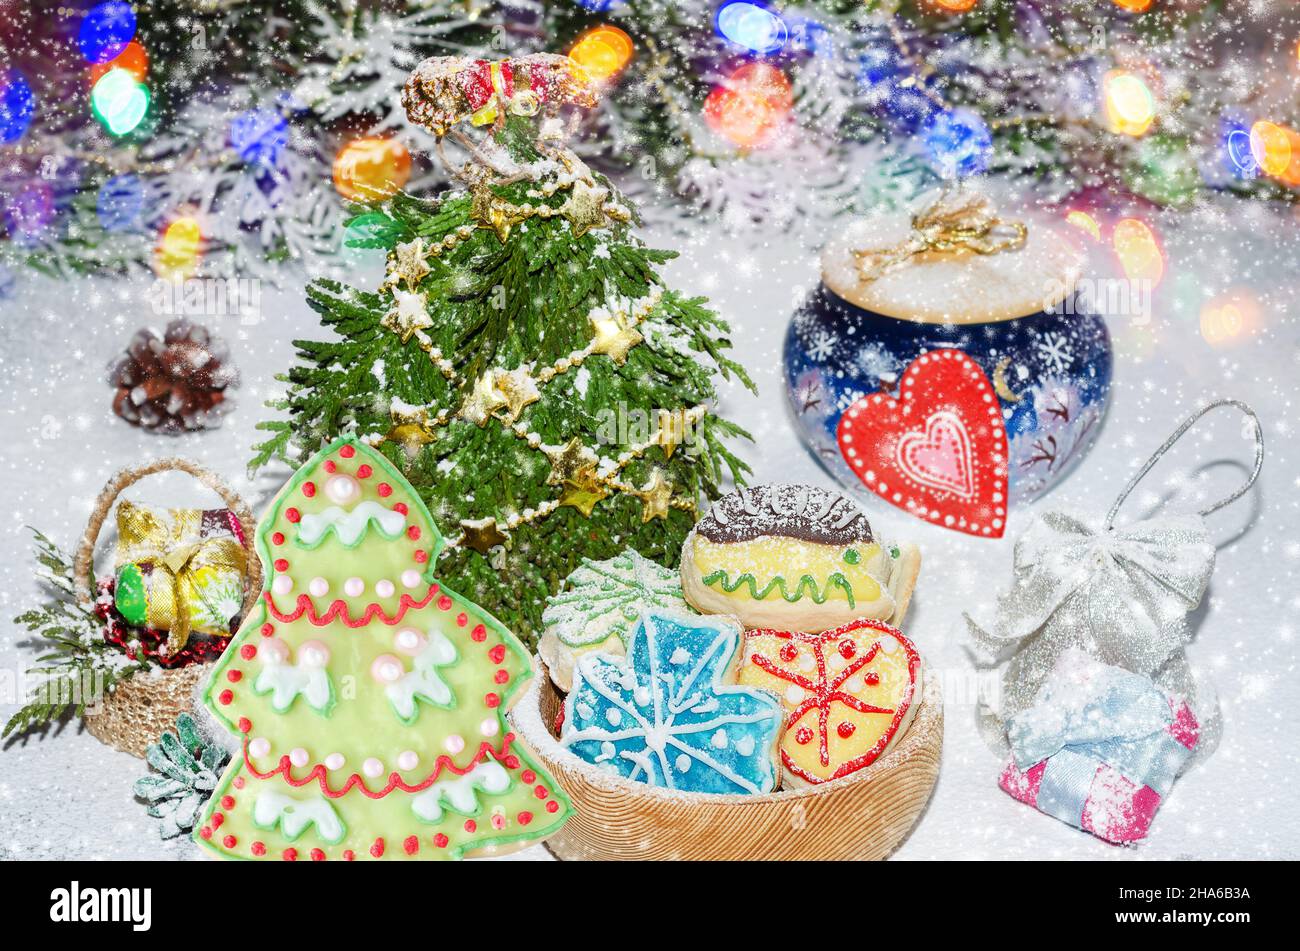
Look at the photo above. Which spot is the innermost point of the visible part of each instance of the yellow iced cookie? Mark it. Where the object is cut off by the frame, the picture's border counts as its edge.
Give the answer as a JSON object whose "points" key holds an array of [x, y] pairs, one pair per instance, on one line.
{"points": [[794, 557], [847, 695]]}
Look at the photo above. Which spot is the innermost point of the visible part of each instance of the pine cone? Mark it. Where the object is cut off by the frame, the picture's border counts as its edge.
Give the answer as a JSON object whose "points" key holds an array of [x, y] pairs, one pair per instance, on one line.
{"points": [[174, 384]]}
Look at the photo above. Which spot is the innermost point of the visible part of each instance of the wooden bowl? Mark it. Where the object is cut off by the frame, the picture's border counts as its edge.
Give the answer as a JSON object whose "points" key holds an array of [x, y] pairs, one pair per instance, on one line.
{"points": [[865, 816]]}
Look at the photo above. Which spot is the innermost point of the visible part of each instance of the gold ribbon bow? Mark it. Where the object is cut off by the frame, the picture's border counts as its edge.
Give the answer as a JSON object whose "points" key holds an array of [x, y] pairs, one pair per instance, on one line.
{"points": [[954, 222], [524, 102], [172, 577]]}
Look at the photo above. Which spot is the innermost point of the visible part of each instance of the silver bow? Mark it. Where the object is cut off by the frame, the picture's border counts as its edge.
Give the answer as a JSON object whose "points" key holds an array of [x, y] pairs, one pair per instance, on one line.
{"points": [[1120, 595]]}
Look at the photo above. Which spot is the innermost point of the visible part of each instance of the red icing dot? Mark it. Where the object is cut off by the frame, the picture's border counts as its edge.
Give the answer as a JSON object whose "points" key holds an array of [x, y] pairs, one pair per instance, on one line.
{"points": [[227, 802], [234, 676], [845, 729], [421, 556], [470, 825], [872, 678], [229, 841], [411, 845], [552, 806], [444, 603], [281, 564], [217, 819], [206, 832], [524, 818], [413, 532], [803, 735], [225, 697], [277, 538], [248, 651], [347, 452], [384, 490], [377, 850], [309, 489], [348, 855], [847, 649], [331, 465], [259, 848], [238, 782], [364, 472], [293, 514], [492, 700], [540, 792], [511, 761], [440, 840], [479, 633], [788, 653], [291, 855], [501, 676], [497, 654], [528, 776], [401, 507], [317, 855], [462, 620], [268, 630], [245, 725]]}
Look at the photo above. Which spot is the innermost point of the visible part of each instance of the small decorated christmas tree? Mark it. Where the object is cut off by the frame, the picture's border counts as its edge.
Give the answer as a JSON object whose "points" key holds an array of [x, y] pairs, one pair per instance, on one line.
{"points": [[370, 698], [522, 362]]}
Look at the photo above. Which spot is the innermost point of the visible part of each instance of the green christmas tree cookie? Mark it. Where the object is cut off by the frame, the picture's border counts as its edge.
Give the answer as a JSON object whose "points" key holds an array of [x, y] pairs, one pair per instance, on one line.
{"points": [[371, 700]]}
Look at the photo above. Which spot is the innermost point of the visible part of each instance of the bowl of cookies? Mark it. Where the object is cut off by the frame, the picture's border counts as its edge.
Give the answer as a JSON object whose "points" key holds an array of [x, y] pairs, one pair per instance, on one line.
{"points": [[760, 703]]}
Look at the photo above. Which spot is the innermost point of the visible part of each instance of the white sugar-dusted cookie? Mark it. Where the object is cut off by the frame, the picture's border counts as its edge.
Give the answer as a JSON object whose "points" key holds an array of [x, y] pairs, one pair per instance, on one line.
{"points": [[598, 607], [795, 557]]}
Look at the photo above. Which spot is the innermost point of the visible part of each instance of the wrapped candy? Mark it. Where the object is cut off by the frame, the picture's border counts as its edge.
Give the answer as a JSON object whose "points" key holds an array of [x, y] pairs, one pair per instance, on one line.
{"points": [[1100, 749], [445, 90], [179, 570]]}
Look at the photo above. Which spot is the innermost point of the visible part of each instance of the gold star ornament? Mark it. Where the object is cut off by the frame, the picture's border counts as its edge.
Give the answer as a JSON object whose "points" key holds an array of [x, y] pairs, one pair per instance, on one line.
{"points": [[408, 316], [583, 493], [518, 389], [614, 340], [484, 400], [408, 265], [585, 207], [655, 496], [482, 534], [571, 462], [490, 211]]}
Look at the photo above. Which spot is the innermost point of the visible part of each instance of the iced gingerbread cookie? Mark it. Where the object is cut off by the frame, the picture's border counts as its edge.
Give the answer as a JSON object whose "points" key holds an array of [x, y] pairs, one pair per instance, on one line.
{"points": [[598, 608], [669, 713], [847, 694], [369, 699], [794, 557]]}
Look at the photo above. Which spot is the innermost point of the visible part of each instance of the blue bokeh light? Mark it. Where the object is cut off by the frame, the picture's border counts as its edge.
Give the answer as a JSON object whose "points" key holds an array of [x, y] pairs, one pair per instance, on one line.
{"points": [[17, 106], [752, 26], [259, 136], [105, 31], [120, 203], [958, 143]]}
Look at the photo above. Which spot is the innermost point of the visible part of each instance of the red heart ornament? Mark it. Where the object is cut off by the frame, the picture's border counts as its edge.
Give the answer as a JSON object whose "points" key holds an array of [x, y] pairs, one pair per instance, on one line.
{"points": [[940, 450]]}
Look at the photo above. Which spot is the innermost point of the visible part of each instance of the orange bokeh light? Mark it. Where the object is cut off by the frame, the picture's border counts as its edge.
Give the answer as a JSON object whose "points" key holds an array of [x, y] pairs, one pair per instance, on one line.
{"points": [[1277, 150], [133, 59], [955, 6], [1138, 251], [602, 52], [371, 169], [1133, 6], [1229, 316], [750, 105]]}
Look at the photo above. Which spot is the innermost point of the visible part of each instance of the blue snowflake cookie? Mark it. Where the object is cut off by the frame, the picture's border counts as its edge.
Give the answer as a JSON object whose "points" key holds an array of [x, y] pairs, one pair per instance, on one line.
{"points": [[665, 714]]}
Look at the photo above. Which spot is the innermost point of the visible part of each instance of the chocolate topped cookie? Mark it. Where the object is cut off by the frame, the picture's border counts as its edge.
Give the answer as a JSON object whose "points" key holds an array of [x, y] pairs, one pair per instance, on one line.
{"points": [[805, 512], [794, 557]]}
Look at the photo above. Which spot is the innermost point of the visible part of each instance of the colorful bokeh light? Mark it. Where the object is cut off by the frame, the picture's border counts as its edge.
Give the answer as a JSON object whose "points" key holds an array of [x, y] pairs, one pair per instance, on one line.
{"points": [[602, 52], [750, 105], [958, 142], [371, 169], [178, 253], [259, 136], [1277, 150], [119, 101], [751, 26], [1085, 223], [17, 106], [120, 202], [133, 59], [1130, 107], [1134, 6], [955, 6], [1138, 250], [105, 30]]}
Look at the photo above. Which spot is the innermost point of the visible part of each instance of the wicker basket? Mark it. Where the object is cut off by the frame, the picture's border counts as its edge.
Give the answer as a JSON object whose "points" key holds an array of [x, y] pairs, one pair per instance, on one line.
{"points": [[865, 816], [136, 712]]}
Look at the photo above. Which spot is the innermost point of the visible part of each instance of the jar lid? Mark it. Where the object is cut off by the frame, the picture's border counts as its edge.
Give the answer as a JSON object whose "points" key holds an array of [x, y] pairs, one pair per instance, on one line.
{"points": [[953, 287]]}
